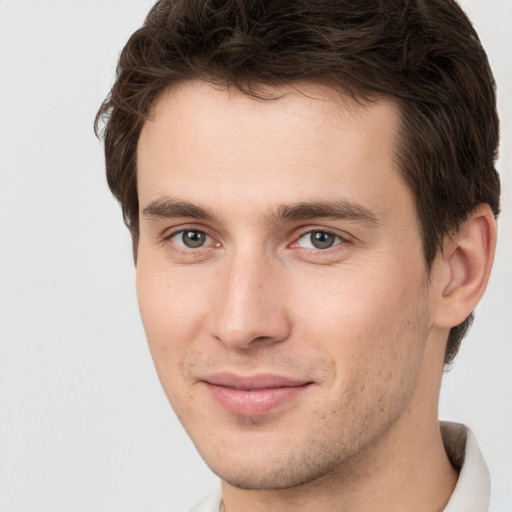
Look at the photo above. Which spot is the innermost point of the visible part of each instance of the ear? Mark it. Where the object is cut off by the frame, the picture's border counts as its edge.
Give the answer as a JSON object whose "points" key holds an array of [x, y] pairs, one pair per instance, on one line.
{"points": [[466, 264]]}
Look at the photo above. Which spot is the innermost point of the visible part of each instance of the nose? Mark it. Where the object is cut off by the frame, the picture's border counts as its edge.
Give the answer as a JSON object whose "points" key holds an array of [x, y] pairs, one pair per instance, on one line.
{"points": [[252, 307]]}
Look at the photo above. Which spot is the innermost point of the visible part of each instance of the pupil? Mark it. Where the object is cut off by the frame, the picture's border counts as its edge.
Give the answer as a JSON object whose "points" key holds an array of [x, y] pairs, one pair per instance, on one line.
{"points": [[193, 239], [322, 240]]}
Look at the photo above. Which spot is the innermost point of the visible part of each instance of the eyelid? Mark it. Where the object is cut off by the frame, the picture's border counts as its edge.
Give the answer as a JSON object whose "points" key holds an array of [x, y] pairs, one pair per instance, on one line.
{"points": [[206, 242], [343, 237], [170, 233]]}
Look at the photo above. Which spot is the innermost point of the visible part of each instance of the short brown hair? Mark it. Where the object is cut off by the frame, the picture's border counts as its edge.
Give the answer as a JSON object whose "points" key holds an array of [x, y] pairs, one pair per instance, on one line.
{"points": [[424, 54]]}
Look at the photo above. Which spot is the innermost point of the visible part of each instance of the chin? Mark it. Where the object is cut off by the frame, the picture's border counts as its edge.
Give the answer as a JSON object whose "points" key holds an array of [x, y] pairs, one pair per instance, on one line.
{"points": [[287, 476], [269, 470]]}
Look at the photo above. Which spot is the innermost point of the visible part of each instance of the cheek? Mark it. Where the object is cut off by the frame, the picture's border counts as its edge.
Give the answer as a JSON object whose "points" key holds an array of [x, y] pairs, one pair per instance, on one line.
{"points": [[170, 306], [368, 324], [375, 337]]}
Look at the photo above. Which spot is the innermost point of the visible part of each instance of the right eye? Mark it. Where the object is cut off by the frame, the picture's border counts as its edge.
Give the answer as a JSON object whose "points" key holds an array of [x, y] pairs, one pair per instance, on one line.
{"points": [[190, 239]]}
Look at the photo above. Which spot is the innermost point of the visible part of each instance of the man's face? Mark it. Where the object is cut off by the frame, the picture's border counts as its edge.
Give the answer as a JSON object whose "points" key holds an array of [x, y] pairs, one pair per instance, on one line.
{"points": [[280, 279]]}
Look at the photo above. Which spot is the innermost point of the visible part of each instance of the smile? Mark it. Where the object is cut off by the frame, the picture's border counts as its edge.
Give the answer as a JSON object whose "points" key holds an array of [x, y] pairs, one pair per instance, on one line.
{"points": [[253, 396]]}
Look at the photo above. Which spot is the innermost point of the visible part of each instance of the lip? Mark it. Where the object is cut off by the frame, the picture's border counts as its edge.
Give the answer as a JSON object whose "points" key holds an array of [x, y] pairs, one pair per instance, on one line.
{"points": [[254, 395]]}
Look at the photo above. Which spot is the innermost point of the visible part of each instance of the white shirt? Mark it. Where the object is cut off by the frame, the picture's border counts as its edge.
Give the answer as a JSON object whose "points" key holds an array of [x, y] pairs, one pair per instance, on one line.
{"points": [[472, 492]]}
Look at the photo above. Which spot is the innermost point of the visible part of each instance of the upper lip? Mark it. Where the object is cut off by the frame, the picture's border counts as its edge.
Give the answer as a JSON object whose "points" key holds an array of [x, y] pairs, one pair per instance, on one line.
{"points": [[253, 382]]}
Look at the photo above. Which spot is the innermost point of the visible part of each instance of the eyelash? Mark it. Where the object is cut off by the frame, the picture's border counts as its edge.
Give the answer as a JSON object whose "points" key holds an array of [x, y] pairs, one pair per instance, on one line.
{"points": [[338, 240], [184, 249]]}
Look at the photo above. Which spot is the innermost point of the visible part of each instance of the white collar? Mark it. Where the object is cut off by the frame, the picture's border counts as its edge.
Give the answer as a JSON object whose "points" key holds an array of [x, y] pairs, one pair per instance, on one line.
{"points": [[473, 489]]}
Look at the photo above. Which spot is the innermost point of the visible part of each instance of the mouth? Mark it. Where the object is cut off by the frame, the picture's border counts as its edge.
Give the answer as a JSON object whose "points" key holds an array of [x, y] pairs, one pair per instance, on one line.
{"points": [[255, 395]]}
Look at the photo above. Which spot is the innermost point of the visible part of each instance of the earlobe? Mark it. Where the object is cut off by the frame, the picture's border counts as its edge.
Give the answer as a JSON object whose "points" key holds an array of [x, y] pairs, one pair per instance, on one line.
{"points": [[467, 259]]}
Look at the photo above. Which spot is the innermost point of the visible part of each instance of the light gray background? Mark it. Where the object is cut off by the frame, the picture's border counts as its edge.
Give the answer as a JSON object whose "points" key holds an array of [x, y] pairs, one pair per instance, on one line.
{"points": [[84, 425]]}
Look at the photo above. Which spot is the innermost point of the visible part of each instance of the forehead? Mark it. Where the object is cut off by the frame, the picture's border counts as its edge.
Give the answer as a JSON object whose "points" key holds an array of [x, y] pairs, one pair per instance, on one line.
{"points": [[194, 103], [307, 140]]}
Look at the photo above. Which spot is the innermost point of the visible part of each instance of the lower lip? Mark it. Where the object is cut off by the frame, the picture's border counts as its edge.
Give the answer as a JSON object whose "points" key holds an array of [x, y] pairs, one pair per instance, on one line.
{"points": [[255, 402]]}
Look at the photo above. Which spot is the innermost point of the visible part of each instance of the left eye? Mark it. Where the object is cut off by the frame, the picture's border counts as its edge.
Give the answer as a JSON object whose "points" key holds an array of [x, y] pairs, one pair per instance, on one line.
{"points": [[190, 238], [318, 240]]}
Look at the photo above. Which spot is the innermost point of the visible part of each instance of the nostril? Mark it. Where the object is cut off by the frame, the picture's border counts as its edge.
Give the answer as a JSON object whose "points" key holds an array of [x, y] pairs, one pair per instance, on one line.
{"points": [[262, 338]]}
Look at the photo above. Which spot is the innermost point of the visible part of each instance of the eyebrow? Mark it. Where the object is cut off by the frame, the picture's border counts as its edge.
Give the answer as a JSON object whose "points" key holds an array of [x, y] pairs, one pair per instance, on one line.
{"points": [[169, 208], [339, 210]]}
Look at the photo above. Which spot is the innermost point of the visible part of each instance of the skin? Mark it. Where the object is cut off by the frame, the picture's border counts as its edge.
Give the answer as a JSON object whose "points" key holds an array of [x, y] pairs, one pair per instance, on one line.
{"points": [[360, 321]]}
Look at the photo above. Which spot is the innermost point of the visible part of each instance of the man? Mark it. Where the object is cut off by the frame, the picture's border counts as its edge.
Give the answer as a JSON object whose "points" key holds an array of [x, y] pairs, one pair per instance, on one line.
{"points": [[311, 193]]}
